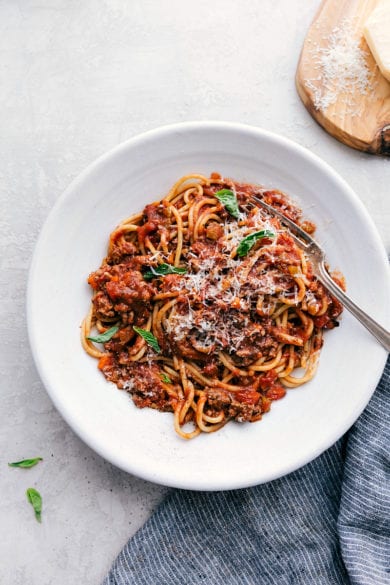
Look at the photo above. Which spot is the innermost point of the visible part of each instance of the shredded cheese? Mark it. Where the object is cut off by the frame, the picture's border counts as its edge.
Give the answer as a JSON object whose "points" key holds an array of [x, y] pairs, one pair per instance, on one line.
{"points": [[343, 72], [207, 284]]}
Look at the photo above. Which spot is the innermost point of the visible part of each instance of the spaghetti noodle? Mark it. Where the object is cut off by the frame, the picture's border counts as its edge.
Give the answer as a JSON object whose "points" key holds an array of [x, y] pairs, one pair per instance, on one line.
{"points": [[205, 305]]}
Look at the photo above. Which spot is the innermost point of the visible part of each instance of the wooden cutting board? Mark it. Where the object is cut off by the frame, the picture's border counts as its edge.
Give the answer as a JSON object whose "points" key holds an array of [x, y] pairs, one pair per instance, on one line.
{"points": [[359, 114]]}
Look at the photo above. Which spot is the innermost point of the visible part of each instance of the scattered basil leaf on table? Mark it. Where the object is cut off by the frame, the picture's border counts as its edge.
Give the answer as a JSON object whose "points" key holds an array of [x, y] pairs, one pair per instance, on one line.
{"points": [[166, 379], [229, 200], [106, 336], [249, 241], [163, 270], [35, 499], [149, 338], [26, 463]]}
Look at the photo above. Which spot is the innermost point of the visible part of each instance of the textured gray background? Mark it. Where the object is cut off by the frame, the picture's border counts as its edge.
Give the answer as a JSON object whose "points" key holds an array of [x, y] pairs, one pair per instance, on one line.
{"points": [[76, 79]]}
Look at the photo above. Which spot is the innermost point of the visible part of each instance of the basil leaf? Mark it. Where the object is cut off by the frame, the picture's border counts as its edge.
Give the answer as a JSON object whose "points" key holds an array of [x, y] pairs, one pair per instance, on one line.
{"points": [[35, 500], [166, 379], [149, 338], [162, 270], [26, 463], [229, 200], [249, 241], [106, 336]]}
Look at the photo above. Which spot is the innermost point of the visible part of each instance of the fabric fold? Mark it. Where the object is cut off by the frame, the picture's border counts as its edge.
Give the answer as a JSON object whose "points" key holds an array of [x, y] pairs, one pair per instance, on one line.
{"points": [[364, 520]]}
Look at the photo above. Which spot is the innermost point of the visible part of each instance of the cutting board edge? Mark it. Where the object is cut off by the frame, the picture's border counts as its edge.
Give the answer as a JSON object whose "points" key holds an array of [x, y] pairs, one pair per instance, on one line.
{"points": [[373, 147]]}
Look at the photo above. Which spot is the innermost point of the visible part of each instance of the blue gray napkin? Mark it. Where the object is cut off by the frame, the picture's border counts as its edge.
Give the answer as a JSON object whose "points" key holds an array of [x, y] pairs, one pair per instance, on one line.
{"points": [[326, 524]]}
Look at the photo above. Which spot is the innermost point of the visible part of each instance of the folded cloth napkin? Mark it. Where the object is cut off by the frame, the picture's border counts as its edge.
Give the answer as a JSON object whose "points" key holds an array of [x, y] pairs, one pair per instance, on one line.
{"points": [[326, 524]]}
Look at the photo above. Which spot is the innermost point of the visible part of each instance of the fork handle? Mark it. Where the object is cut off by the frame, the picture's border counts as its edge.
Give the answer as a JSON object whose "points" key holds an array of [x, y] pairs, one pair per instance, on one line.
{"points": [[369, 323]]}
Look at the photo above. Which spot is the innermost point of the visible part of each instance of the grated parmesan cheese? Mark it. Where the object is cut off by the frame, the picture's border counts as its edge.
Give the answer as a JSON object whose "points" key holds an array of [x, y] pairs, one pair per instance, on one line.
{"points": [[206, 281], [128, 385], [342, 70]]}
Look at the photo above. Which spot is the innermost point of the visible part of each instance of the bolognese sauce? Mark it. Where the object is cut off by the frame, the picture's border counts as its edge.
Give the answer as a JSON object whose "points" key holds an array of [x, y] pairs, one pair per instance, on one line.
{"points": [[206, 307]]}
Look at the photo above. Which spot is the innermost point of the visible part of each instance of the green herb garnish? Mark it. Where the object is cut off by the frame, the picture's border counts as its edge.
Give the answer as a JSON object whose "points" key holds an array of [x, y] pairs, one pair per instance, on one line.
{"points": [[35, 500], [106, 336], [229, 200], [166, 379], [149, 338], [163, 270], [26, 463], [249, 241]]}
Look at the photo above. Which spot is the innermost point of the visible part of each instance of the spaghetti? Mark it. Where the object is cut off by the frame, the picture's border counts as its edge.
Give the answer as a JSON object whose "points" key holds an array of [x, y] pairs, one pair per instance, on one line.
{"points": [[205, 305]]}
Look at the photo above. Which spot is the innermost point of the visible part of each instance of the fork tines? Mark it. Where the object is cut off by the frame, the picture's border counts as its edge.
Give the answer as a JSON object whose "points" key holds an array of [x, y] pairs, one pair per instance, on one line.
{"points": [[295, 229]]}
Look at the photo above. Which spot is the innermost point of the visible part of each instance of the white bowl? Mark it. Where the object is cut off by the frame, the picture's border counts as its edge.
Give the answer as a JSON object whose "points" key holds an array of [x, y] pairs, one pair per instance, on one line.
{"points": [[73, 243]]}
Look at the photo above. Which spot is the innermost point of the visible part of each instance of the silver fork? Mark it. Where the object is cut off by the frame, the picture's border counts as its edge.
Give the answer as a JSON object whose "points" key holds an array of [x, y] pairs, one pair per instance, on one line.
{"points": [[317, 258]]}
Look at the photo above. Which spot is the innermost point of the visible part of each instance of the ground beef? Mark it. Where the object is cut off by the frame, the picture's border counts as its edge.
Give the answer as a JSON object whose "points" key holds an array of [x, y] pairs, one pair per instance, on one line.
{"points": [[121, 251], [246, 405], [220, 302], [142, 381]]}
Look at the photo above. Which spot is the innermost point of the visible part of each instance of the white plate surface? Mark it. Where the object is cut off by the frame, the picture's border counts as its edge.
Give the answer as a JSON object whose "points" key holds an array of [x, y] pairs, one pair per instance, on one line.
{"points": [[73, 243]]}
